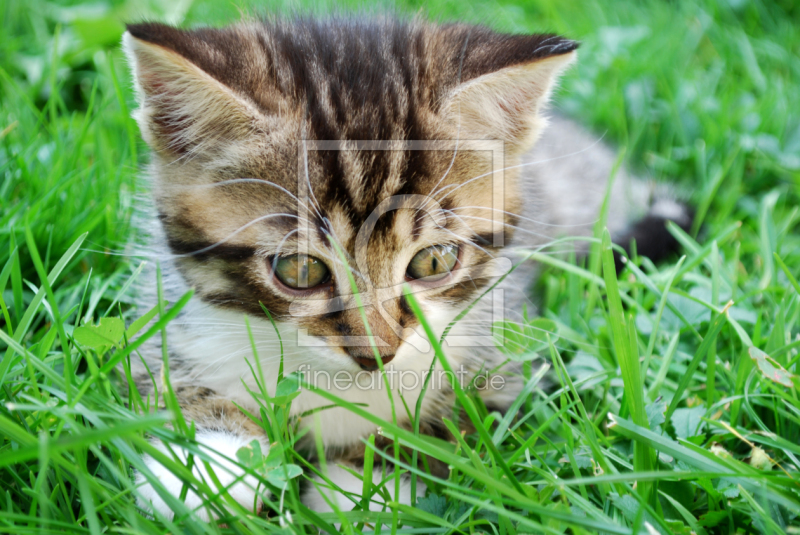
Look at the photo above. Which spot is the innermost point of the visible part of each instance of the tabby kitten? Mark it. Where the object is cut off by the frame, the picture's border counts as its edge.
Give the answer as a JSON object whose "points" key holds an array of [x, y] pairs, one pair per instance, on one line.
{"points": [[289, 156]]}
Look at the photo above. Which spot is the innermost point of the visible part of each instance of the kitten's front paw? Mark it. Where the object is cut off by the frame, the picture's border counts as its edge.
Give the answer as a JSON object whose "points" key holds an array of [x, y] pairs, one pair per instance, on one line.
{"points": [[221, 446]]}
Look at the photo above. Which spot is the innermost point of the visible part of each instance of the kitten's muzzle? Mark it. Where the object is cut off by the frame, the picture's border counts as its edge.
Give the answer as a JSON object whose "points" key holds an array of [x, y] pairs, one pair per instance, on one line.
{"points": [[383, 340]]}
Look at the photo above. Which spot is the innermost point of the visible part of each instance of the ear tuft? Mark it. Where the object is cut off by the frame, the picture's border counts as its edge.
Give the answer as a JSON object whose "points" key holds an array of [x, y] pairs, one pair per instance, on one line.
{"points": [[183, 110]]}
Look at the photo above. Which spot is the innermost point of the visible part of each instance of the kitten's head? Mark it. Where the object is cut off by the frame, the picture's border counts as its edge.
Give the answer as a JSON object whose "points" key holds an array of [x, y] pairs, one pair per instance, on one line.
{"points": [[296, 160]]}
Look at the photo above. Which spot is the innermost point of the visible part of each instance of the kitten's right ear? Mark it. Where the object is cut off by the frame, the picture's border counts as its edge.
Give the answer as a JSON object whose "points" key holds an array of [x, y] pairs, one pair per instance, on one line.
{"points": [[183, 110]]}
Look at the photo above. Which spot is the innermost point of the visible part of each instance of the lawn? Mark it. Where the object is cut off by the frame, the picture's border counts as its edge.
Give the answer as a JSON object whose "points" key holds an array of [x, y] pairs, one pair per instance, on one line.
{"points": [[675, 400]]}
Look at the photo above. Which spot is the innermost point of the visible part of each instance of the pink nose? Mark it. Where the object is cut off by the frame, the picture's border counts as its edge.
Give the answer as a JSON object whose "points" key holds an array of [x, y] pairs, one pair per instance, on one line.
{"points": [[369, 363]]}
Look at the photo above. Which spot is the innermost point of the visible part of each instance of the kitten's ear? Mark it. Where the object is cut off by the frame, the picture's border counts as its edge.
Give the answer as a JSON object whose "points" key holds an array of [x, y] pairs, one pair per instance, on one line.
{"points": [[183, 110], [508, 80]]}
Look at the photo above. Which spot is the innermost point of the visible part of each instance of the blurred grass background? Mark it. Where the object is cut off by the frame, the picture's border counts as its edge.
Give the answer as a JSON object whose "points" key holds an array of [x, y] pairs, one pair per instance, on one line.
{"points": [[704, 94]]}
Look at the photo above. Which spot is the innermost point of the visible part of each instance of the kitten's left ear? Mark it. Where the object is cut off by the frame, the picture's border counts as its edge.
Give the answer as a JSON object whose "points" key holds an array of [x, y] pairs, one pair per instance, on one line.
{"points": [[508, 81]]}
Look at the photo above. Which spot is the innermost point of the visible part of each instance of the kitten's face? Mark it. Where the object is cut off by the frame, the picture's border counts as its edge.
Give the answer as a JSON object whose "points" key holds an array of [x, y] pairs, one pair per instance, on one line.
{"points": [[261, 211]]}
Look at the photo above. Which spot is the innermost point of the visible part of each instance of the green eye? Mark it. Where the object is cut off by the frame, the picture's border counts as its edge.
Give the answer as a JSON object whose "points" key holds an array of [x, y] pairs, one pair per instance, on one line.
{"points": [[300, 271], [433, 263]]}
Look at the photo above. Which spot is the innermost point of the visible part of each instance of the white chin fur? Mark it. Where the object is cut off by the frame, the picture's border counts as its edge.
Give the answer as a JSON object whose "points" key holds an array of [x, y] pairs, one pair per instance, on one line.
{"points": [[221, 447]]}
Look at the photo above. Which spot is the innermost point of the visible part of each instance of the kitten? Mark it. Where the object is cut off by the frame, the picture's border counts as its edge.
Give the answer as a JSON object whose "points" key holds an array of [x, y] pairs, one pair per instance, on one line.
{"points": [[288, 156]]}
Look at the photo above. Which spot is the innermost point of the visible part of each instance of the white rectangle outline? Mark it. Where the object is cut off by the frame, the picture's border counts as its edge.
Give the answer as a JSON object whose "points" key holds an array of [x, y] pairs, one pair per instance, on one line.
{"points": [[496, 147]]}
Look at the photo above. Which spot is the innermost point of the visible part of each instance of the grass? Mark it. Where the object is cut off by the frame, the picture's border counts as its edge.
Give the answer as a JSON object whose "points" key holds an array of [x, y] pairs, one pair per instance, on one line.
{"points": [[676, 402]]}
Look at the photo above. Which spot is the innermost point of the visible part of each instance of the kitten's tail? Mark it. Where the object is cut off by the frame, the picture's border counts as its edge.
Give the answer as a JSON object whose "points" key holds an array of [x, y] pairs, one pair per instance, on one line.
{"points": [[650, 234]]}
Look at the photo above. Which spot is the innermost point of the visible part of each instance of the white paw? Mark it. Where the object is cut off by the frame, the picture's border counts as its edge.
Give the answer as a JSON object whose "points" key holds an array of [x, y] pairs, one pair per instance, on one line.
{"points": [[314, 499], [220, 447]]}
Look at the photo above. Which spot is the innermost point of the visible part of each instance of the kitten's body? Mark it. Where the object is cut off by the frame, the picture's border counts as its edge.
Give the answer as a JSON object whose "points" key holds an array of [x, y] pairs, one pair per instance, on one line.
{"points": [[225, 112]]}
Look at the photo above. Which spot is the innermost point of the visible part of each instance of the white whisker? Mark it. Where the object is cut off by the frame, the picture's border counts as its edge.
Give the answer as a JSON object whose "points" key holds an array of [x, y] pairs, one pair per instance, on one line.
{"points": [[232, 234], [537, 222], [538, 162]]}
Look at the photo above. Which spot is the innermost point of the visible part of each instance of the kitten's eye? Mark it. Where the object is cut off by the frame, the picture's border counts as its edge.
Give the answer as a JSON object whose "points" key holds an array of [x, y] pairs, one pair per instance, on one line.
{"points": [[433, 263], [300, 271]]}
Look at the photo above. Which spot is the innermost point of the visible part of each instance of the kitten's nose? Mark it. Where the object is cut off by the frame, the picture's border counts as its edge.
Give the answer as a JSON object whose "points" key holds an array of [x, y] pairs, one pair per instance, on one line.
{"points": [[370, 364], [385, 339]]}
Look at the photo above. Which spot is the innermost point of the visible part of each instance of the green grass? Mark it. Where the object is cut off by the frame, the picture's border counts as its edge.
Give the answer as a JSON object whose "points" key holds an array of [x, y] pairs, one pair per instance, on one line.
{"points": [[671, 380]]}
